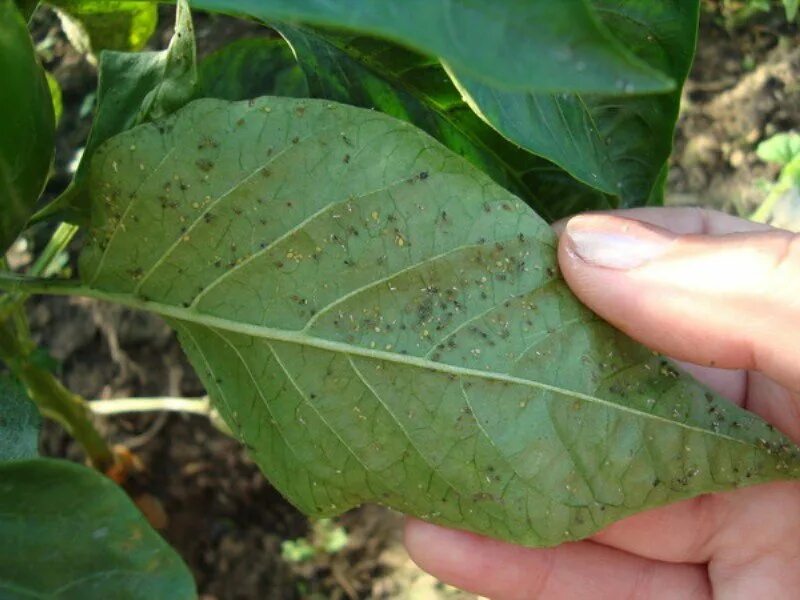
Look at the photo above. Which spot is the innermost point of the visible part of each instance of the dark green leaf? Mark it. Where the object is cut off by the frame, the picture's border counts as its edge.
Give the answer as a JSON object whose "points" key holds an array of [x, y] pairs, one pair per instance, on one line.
{"points": [[132, 87], [26, 8], [26, 125], [375, 74], [19, 422], [617, 144], [251, 68], [70, 533], [380, 322], [95, 25], [533, 45]]}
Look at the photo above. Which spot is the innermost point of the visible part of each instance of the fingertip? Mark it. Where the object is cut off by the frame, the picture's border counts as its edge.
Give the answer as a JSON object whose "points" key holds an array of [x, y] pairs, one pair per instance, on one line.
{"points": [[439, 550], [500, 570], [472, 562]]}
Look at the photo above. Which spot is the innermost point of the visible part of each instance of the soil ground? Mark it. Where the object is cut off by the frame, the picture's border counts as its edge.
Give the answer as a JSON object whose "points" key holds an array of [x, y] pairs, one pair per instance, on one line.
{"points": [[218, 510]]}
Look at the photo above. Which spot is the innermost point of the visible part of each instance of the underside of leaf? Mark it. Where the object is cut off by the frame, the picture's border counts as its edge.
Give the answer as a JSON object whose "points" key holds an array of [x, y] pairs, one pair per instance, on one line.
{"points": [[378, 321]]}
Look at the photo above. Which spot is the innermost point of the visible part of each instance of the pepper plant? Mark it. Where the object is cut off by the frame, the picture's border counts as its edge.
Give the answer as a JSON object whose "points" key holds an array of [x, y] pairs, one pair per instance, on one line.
{"points": [[348, 228]]}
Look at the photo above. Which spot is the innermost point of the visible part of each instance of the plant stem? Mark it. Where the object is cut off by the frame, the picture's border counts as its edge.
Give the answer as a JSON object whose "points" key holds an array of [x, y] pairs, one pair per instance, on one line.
{"points": [[22, 284], [197, 406], [58, 243], [42, 267], [764, 211], [54, 400]]}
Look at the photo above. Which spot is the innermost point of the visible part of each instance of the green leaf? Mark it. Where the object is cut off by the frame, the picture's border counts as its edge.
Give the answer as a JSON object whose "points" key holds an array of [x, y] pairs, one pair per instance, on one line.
{"points": [[781, 148], [791, 9], [68, 532], [26, 8], [19, 422], [380, 322], [375, 74], [249, 68], [96, 25], [55, 94], [535, 45], [178, 83], [26, 125], [132, 88], [618, 144]]}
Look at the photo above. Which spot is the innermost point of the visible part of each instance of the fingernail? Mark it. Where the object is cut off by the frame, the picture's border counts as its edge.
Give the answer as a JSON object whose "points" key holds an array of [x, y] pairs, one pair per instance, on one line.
{"points": [[614, 243]]}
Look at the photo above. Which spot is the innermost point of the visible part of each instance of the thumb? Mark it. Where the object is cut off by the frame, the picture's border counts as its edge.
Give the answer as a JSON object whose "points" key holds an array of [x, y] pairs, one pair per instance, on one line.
{"points": [[730, 301]]}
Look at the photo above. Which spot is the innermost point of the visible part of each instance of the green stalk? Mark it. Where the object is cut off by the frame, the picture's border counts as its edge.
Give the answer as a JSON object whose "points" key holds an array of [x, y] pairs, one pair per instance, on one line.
{"points": [[58, 243], [196, 406], [54, 400], [42, 267]]}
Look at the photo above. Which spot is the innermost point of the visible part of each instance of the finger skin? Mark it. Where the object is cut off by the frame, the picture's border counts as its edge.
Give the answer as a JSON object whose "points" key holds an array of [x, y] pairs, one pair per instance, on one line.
{"points": [[682, 221], [722, 301], [579, 570], [730, 383], [728, 526]]}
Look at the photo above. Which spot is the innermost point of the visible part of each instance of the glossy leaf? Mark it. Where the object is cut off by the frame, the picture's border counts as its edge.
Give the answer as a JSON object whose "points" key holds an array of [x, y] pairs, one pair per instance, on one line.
{"points": [[534, 45], [249, 68], [26, 125], [132, 87], [380, 322], [375, 74], [70, 533], [618, 144], [19, 422], [96, 25]]}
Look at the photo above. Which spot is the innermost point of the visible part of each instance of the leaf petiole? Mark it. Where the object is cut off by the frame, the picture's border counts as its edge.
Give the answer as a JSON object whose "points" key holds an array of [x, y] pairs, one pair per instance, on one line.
{"points": [[54, 400]]}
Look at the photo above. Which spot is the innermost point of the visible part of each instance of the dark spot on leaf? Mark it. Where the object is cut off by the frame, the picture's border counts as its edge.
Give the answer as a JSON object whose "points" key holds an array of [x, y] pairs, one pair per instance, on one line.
{"points": [[204, 164]]}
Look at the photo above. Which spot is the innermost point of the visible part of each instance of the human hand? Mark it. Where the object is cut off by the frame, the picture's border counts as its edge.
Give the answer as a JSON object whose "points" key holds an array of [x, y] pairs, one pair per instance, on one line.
{"points": [[723, 295]]}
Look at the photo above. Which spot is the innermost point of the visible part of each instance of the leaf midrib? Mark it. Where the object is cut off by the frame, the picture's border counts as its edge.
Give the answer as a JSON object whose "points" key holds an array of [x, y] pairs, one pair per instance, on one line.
{"points": [[303, 339]]}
